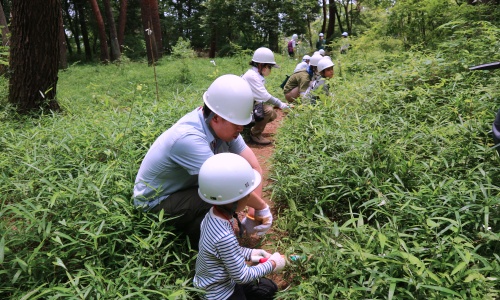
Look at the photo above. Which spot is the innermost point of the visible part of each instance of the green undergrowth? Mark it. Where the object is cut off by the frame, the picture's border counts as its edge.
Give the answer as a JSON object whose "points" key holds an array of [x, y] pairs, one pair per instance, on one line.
{"points": [[392, 184], [68, 228]]}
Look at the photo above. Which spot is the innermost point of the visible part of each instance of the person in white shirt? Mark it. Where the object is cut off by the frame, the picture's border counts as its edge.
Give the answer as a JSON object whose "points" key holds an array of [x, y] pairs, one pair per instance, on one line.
{"points": [[225, 181], [303, 64], [167, 179], [262, 64]]}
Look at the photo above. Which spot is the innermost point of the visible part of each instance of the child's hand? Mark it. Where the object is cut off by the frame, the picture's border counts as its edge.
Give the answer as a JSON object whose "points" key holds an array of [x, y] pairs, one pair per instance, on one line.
{"points": [[266, 218], [261, 252], [249, 224], [279, 260]]}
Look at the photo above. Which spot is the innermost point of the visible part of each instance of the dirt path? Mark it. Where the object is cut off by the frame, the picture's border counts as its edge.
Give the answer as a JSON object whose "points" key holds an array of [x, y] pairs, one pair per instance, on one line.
{"points": [[263, 154]]}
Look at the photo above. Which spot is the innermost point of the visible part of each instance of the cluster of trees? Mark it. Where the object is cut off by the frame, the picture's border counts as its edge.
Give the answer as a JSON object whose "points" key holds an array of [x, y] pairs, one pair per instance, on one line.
{"points": [[41, 34]]}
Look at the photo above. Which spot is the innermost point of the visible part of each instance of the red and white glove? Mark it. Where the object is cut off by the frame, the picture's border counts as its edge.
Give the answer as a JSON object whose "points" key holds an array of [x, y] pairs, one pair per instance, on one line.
{"points": [[258, 254]]}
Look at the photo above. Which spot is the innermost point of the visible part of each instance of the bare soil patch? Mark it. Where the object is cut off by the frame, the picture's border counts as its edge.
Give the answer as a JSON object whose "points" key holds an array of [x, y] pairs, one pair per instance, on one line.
{"points": [[263, 154]]}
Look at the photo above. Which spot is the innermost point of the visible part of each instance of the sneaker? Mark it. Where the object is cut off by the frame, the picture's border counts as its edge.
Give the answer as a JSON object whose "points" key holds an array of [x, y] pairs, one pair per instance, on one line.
{"points": [[259, 139]]}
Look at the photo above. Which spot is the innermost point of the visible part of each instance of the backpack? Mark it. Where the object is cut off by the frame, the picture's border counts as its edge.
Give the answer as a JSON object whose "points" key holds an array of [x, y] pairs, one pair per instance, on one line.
{"points": [[290, 46], [282, 85]]}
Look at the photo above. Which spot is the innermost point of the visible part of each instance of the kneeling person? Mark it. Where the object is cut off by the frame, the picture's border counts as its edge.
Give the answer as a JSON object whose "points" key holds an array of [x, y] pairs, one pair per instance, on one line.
{"points": [[225, 181]]}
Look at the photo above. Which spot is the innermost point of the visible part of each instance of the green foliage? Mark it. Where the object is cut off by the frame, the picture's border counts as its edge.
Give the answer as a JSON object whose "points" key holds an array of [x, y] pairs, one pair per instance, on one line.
{"points": [[68, 226], [392, 183], [182, 49]]}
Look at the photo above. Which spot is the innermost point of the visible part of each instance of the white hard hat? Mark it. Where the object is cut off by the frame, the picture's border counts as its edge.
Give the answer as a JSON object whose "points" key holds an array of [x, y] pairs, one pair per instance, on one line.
{"points": [[306, 57], [226, 178], [321, 52], [325, 63], [321, 34], [315, 59], [344, 33], [295, 36], [315, 52], [264, 55], [230, 97]]}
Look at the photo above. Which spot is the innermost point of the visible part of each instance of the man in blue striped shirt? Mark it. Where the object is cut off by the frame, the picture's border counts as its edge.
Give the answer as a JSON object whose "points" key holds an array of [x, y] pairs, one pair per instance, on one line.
{"points": [[226, 181]]}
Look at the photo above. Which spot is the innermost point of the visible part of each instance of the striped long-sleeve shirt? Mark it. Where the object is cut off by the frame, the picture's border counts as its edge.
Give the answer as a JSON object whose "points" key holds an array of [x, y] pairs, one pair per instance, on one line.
{"points": [[221, 260]]}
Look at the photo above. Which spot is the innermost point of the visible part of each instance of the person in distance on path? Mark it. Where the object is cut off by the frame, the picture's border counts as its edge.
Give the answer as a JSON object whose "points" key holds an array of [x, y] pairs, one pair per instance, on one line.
{"points": [[262, 63]]}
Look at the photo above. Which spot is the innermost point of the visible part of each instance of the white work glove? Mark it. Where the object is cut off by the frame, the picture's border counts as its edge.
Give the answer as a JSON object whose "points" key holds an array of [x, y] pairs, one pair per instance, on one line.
{"points": [[284, 106], [257, 254], [279, 260], [265, 217], [249, 224]]}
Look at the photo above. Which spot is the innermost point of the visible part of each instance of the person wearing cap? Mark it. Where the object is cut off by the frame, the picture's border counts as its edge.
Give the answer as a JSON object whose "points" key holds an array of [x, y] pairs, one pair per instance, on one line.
{"points": [[321, 43], [345, 43], [167, 176], [299, 81], [225, 181], [262, 63], [303, 64], [292, 45], [325, 69]]}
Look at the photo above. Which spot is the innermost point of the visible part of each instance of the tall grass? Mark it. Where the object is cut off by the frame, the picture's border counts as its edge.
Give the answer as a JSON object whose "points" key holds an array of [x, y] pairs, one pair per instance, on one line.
{"points": [[390, 187], [392, 183], [68, 227]]}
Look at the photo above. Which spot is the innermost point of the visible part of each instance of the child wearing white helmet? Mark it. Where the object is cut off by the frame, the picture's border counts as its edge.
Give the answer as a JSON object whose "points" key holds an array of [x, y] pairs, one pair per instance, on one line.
{"points": [[299, 82], [262, 64], [303, 64], [225, 181], [325, 69]]}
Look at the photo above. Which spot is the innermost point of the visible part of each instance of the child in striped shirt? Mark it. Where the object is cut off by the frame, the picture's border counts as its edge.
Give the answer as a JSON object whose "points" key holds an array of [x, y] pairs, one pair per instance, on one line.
{"points": [[225, 180]]}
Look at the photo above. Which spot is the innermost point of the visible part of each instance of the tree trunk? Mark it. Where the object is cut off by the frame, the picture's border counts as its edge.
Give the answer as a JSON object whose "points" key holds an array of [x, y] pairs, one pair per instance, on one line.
{"points": [[83, 26], [309, 31], [149, 37], [331, 21], [102, 31], [73, 26], [122, 21], [323, 27], [213, 43], [5, 28], [34, 55], [155, 20], [113, 36], [63, 60]]}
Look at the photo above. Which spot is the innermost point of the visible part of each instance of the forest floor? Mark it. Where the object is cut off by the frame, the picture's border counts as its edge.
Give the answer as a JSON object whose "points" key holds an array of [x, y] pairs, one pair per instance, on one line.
{"points": [[264, 154]]}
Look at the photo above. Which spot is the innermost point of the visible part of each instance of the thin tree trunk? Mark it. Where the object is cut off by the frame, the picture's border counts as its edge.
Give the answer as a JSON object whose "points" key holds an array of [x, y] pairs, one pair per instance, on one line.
{"points": [[33, 80], [113, 37], [73, 26], [122, 21], [149, 36], [309, 31], [5, 28], [102, 31], [63, 60], [85, 33], [331, 21], [155, 21], [323, 27]]}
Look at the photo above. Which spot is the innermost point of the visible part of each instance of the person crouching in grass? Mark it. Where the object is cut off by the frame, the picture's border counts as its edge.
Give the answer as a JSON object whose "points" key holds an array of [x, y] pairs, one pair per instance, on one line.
{"points": [[325, 69], [225, 180]]}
